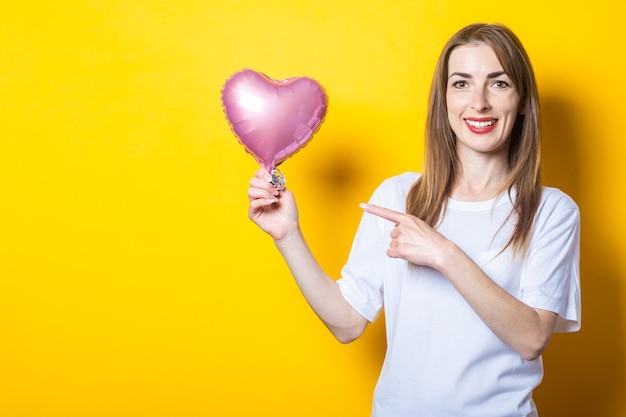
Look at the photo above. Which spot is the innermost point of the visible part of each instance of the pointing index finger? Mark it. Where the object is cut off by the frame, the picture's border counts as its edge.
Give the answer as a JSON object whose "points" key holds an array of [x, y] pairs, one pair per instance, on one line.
{"points": [[385, 213]]}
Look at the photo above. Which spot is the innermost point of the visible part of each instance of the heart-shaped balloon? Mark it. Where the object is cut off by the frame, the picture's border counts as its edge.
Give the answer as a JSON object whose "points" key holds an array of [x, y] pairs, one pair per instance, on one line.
{"points": [[273, 119]]}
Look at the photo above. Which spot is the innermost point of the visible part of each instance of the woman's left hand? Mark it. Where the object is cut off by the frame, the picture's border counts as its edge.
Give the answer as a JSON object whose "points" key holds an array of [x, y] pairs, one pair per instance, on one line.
{"points": [[413, 239]]}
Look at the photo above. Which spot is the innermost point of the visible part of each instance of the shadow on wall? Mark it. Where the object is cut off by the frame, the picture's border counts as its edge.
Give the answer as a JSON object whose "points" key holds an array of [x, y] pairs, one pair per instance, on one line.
{"points": [[343, 176], [584, 370]]}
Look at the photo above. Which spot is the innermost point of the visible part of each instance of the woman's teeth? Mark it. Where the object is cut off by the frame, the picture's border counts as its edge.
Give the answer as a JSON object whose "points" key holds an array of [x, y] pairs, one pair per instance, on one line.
{"points": [[481, 124]]}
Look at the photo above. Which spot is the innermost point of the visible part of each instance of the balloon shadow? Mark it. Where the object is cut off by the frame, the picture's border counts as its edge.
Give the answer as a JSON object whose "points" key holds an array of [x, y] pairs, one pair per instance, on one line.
{"points": [[342, 177], [583, 370]]}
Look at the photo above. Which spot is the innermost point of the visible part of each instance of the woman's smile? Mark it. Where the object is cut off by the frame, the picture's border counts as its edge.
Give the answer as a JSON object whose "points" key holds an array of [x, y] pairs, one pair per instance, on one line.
{"points": [[481, 125]]}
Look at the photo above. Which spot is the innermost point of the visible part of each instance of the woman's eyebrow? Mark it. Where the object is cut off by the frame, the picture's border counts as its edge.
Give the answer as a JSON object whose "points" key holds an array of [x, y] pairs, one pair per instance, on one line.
{"points": [[489, 76], [460, 74], [497, 74]]}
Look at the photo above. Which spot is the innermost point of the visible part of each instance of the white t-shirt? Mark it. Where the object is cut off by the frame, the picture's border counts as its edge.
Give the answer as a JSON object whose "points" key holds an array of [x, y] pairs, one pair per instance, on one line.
{"points": [[442, 360]]}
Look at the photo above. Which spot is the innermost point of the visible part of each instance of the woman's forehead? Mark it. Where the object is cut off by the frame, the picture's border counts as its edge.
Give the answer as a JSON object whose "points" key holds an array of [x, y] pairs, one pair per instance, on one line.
{"points": [[474, 58]]}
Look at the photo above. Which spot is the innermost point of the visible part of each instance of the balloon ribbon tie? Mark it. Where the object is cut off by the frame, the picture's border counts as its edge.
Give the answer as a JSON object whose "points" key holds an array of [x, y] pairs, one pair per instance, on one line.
{"points": [[278, 179]]}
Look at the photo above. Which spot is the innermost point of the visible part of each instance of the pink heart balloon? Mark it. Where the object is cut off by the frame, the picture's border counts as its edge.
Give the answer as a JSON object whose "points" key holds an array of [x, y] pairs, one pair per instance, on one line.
{"points": [[273, 119]]}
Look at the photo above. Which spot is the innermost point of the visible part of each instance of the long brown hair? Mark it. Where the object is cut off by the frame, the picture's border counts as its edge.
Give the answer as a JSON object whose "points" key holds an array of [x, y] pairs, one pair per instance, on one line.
{"points": [[428, 196]]}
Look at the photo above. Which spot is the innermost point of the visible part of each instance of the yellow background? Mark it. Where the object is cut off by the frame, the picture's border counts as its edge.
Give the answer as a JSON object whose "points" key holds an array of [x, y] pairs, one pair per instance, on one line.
{"points": [[132, 282]]}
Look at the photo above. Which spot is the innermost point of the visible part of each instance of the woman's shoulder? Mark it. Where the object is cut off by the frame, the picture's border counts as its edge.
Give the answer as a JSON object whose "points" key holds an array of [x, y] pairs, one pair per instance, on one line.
{"points": [[556, 206], [392, 192], [556, 199], [402, 181]]}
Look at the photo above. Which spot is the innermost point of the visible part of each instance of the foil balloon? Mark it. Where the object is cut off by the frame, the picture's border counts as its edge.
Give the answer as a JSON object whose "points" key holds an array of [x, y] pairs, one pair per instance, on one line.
{"points": [[273, 119]]}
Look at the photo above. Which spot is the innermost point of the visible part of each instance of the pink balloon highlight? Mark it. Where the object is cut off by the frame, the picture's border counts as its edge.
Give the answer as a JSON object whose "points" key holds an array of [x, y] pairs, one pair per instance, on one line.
{"points": [[273, 119]]}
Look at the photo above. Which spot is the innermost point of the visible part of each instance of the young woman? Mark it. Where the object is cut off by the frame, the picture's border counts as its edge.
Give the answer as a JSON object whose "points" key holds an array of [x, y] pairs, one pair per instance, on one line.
{"points": [[474, 262]]}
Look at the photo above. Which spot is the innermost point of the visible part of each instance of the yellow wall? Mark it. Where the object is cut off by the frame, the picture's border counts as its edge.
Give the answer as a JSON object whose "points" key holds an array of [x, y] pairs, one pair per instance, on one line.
{"points": [[132, 282]]}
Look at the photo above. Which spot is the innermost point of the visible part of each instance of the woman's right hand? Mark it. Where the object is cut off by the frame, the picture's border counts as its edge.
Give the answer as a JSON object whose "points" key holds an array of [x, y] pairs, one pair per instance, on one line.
{"points": [[274, 211]]}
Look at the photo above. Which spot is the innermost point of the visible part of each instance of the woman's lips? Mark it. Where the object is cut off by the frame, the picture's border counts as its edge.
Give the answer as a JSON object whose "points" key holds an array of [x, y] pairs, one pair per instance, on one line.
{"points": [[483, 125]]}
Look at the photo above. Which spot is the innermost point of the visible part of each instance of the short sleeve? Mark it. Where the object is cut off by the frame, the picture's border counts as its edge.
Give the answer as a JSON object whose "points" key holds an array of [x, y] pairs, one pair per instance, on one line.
{"points": [[551, 273], [363, 276], [361, 280]]}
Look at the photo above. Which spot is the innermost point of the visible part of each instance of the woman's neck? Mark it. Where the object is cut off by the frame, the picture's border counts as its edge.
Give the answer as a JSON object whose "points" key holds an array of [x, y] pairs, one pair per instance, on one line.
{"points": [[480, 181]]}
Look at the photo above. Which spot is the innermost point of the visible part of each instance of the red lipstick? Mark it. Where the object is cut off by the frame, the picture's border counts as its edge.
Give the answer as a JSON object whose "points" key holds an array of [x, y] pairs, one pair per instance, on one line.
{"points": [[481, 125]]}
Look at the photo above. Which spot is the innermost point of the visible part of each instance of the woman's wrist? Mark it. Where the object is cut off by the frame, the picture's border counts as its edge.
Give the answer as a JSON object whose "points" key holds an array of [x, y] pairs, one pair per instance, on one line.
{"points": [[450, 257], [291, 236]]}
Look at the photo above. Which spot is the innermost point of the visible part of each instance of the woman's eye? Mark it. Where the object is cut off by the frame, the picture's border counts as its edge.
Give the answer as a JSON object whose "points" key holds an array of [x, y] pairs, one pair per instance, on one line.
{"points": [[500, 84], [459, 84]]}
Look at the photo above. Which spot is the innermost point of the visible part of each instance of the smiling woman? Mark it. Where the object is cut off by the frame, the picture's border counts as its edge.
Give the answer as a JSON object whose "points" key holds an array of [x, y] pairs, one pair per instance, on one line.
{"points": [[130, 284], [474, 273], [483, 104]]}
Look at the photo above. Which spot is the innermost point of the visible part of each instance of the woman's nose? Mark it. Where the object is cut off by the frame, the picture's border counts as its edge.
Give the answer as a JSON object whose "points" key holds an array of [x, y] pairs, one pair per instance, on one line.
{"points": [[480, 100]]}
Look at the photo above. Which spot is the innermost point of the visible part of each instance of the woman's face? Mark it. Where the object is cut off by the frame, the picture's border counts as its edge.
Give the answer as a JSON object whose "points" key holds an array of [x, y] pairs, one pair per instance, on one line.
{"points": [[483, 103]]}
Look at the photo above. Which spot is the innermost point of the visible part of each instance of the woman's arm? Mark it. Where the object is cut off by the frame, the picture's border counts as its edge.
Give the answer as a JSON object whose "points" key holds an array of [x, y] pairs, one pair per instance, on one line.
{"points": [[275, 212], [525, 329]]}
